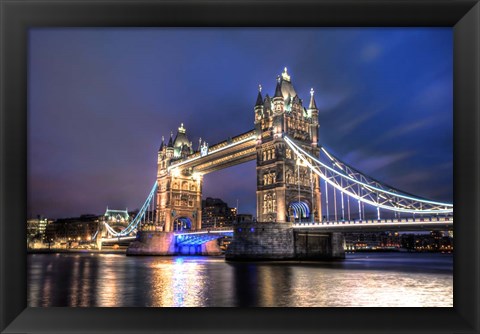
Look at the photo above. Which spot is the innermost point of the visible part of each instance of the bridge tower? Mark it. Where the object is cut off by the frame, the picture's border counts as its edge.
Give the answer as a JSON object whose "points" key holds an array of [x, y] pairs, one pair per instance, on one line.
{"points": [[179, 194], [286, 190]]}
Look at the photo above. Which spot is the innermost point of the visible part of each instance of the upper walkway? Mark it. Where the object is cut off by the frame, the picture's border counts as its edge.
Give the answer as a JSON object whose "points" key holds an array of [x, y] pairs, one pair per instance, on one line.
{"points": [[230, 152]]}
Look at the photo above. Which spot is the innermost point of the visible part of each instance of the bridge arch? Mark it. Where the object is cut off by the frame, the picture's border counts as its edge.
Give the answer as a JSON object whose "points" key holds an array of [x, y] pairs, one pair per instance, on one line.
{"points": [[182, 224], [299, 210]]}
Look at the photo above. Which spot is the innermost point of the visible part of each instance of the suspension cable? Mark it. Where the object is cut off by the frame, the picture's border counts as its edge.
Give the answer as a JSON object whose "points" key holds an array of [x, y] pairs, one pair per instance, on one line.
{"points": [[402, 208], [399, 194]]}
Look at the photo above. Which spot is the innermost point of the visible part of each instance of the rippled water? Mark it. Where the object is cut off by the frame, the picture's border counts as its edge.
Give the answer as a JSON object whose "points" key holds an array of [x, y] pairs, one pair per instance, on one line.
{"points": [[389, 279]]}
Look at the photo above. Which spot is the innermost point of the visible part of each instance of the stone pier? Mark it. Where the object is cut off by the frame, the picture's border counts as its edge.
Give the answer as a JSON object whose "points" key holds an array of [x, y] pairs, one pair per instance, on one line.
{"points": [[163, 243], [279, 241], [152, 243]]}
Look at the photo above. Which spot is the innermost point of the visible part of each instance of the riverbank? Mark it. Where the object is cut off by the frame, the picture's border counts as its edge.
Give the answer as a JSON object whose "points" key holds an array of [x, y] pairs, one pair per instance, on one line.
{"points": [[398, 251], [83, 251], [123, 251]]}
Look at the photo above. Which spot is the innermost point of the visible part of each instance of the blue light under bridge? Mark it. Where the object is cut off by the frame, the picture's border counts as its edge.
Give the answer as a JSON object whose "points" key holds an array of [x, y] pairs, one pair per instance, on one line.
{"points": [[300, 208], [199, 238]]}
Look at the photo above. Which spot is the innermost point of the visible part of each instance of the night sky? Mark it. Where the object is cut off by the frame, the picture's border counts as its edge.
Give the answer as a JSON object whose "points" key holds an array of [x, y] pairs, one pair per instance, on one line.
{"points": [[101, 99]]}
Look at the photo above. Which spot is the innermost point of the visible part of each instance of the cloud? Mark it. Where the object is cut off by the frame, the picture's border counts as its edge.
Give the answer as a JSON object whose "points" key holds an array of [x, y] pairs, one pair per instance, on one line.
{"points": [[434, 94], [403, 129], [413, 178], [419, 183], [370, 52], [368, 163], [358, 117], [354, 122], [327, 102]]}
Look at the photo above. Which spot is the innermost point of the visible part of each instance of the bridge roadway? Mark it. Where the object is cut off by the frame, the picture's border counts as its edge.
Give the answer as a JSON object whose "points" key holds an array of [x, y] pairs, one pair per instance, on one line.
{"points": [[118, 239], [374, 225], [347, 226], [369, 225]]}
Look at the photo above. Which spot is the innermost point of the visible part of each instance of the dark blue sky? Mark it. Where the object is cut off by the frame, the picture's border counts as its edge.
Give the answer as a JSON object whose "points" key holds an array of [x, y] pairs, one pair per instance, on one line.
{"points": [[101, 99]]}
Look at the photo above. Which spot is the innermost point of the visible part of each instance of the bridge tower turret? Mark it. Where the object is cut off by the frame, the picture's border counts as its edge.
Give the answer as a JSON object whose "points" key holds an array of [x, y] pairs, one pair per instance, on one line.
{"points": [[169, 148], [179, 194], [286, 191], [313, 114]]}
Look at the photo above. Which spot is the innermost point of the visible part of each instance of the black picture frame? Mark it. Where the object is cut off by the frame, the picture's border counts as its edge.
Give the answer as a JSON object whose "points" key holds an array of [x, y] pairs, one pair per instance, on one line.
{"points": [[16, 18]]}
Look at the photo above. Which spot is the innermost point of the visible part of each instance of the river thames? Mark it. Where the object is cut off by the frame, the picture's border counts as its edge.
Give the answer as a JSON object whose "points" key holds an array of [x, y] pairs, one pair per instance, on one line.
{"points": [[362, 279]]}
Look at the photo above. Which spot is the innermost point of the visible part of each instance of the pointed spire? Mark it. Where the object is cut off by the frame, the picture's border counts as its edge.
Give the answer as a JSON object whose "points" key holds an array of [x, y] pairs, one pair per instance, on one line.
{"points": [[162, 144], [181, 129], [278, 89], [170, 142], [259, 97], [312, 105], [267, 103], [285, 75]]}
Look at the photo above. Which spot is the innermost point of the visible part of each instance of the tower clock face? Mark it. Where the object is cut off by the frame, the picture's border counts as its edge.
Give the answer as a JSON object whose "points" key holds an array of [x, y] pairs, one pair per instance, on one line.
{"points": [[278, 110]]}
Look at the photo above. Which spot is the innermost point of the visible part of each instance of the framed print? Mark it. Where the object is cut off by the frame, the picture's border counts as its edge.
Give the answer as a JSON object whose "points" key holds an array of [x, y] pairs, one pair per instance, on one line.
{"points": [[44, 40]]}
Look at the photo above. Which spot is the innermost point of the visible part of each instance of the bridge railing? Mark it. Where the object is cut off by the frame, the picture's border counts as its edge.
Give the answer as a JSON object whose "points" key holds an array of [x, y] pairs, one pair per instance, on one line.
{"points": [[205, 230], [378, 221]]}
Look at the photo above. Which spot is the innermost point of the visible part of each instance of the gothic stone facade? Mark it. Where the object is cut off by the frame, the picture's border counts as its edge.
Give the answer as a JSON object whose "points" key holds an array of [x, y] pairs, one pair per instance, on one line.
{"points": [[179, 194], [281, 182]]}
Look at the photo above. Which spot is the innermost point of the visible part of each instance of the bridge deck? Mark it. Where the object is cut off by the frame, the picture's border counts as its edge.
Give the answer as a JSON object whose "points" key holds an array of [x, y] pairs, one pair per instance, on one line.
{"points": [[418, 224]]}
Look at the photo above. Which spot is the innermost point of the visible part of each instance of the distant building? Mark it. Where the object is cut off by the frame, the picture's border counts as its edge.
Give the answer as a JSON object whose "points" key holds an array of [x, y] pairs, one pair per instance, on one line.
{"points": [[118, 219], [217, 213], [36, 229], [70, 230], [435, 241]]}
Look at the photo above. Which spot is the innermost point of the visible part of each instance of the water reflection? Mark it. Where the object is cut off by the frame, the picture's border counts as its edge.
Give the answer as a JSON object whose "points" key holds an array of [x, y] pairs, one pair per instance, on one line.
{"points": [[109, 276], [115, 280], [178, 282]]}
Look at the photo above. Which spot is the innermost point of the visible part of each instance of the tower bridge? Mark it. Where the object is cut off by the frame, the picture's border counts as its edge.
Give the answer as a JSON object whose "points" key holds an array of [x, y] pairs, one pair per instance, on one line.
{"points": [[290, 169]]}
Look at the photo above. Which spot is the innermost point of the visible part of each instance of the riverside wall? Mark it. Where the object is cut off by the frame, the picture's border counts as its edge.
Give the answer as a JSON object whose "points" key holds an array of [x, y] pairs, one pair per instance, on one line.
{"points": [[279, 241]]}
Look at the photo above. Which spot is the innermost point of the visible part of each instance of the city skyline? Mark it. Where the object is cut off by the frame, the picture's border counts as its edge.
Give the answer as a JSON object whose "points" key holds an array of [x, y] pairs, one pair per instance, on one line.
{"points": [[101, 99]]}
